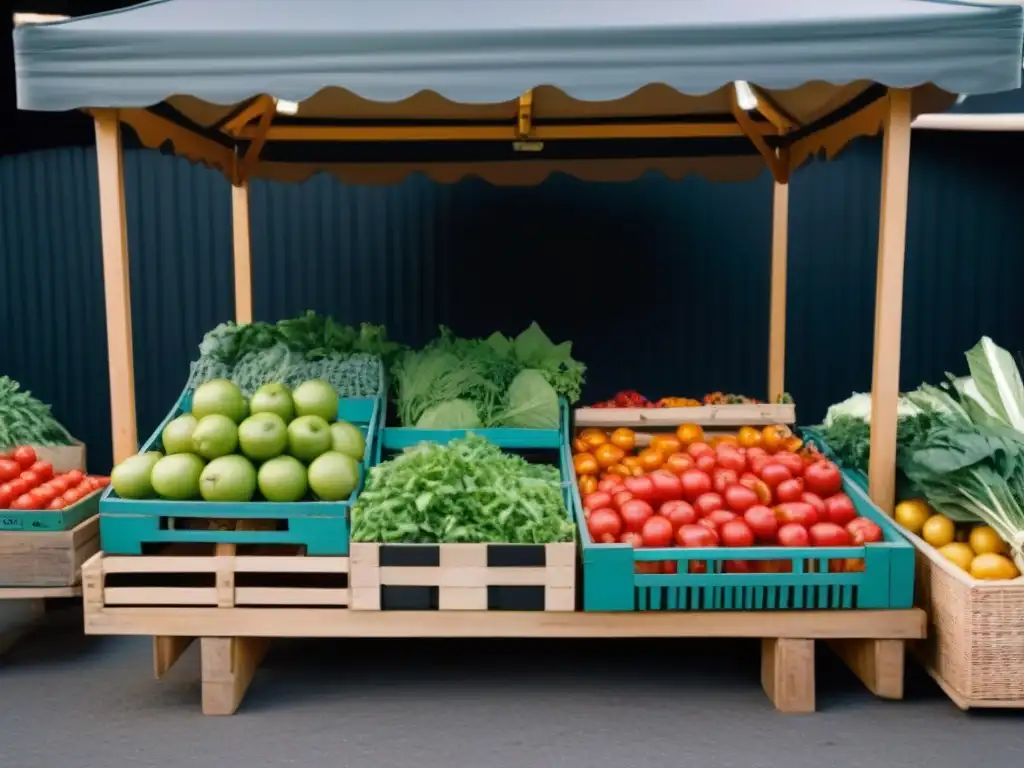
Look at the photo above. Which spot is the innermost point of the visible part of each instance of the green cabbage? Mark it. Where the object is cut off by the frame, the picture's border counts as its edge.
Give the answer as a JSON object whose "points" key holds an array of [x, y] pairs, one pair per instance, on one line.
{"points": [[532, 402], [451, 414]]}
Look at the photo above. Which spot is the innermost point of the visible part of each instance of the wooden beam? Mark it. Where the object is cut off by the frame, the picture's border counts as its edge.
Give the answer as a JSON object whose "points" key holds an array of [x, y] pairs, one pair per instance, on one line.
{"points": [[754, 132], [166, 651], [787, 673], [892, 234], [505, 132], [242, 251], [114, 231], [525, 123], [252, 154], [259, 106], [228, 664], [777, 311], [773, 113], [878, 663]]}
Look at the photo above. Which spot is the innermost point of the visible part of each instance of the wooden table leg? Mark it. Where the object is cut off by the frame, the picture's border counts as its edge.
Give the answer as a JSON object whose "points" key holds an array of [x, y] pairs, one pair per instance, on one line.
{"points": [[166, 651], [787, 673], [229, 664], [878, 663]]}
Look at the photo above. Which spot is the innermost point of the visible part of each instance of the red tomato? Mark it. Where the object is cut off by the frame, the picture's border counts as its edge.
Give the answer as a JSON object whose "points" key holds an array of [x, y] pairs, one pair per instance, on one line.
{"points": [[796, 512], [793, 535], [790, 461], [18, 487], [758, 486], [759, 462], [634, 514], [610, 484], [56, 504], [754, 451], [75, 476], [816, 502], [70, 497], [828, 535], [730, 458], [604, 526], [790, 490], [641, 487], [736, 533], [738, 566], [44, 495], [706, 463], [102, 481], [739, 498], [657, 532], [25, 501], [647, 566], [863, 531], [720, 516], [823, 478], [9, 469], [678, 513], [25, 456], [31, 478], [722, 478], [667, 487], [774, 475], [632, 538], [698, 449], [697, 566], [695, 483], [597, 500], [60, 483], [839, 509], [707, 503], [620, 498], [696, 536], [6, 497], [762, 522], [678, 463], [670, 566], [44, 469], [709, 524]]}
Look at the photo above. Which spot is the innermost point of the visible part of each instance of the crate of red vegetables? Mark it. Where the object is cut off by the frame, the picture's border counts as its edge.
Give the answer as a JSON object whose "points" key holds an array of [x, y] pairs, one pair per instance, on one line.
{"points": [[715, 410], [732, 523], [34, 498]]}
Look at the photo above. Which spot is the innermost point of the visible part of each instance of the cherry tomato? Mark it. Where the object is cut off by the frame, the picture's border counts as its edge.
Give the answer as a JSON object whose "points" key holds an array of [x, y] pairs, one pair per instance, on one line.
{"points": [[796, 512], [604, 526], [707, 503], [678, 463], [828, 535], [720, 517], [623, 438], [667, 487], [634, 514], [25, 456], [775, 474], [9, 469], [823, 478], [694, 536], [657, 532], [679, 513], [736, 533], [641, 487], [739, 498], [695, 483], [839, 509], [790, 490], [793, 535], [722, 478], [44, 469], [762, 522]]}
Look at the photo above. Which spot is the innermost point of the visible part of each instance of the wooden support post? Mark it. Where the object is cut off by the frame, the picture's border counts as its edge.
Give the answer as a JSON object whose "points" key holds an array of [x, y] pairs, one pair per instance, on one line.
{"points": [[878, 663], [787, 673], [892, 234], [243, 252], [166, 651], [229, 664], [114, 229], [777, 316]]}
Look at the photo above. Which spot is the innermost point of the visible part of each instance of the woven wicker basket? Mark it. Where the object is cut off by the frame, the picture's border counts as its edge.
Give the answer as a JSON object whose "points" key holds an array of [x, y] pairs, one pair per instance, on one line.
{"points": [[975, 645]]}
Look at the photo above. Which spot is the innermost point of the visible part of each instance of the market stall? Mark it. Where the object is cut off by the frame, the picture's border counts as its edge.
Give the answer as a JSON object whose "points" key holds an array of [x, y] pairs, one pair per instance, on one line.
{"points": [[372, 92]]}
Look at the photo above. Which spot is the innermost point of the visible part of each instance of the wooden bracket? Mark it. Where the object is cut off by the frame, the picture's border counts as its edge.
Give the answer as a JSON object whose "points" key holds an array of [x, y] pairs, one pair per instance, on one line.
{"points": [[525, 123], [252, 155], [773, 113], [776, 163], [260, 106]]}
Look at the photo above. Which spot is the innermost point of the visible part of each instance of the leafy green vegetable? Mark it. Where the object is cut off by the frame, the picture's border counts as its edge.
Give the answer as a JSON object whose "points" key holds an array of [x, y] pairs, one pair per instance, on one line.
{"points": [[996, 385], [532, 402], [451, 414], [24, 420], [466, 491]]}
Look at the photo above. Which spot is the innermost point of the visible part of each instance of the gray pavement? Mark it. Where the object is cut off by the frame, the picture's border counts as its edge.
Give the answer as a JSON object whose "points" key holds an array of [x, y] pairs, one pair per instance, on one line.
{"points": [[67, 700]]}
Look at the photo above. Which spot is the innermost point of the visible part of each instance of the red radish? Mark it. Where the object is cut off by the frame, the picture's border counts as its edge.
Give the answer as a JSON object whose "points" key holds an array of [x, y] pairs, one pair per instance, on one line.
{"points": [[604, 526], [815, 501], [739, 498], [736, 533], [775, 474], [762, 522], [790, 490], [722, 478], [696, 536], [695, 483], [657, 532], [828, 535], [641, 487], [597, 500], [793, 535], [839, 509], [823, 478], [720, 516], [706, 463], [632, 538], [667, 487], [796, 512], [678, 513], [707, 503], [634, 514]]}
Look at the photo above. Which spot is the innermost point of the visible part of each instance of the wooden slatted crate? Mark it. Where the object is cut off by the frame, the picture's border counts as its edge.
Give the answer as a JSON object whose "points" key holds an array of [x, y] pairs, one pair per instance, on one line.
{"points": [[47, 558], [466, 577]]}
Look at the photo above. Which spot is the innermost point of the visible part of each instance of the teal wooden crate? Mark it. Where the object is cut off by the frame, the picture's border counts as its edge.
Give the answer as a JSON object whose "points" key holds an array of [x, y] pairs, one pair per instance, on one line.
{"points": [[322, 527], [50, 519], [611, 583]]}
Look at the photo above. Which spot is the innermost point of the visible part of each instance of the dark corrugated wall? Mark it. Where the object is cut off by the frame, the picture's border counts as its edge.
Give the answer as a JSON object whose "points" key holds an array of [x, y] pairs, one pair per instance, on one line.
{"points": [[661, 285]]}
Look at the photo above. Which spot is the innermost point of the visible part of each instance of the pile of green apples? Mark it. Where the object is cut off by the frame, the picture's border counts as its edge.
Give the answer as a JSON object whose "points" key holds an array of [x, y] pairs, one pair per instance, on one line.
{"points": [[288, 446]]}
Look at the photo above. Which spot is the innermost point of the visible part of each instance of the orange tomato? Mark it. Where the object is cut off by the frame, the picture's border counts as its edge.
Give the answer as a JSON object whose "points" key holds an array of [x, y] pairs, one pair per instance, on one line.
{"points": [[773, 438], [690, 433], [591, 431], [666, 445], [578, 446], [588, 484], [678, 463], [651, 459], [792, 443], [854, 565], [620, 469], [585, 464], [593, 440], [633, 462], [608, 455], [836, 566], [718, 440], [624, 439], [697, 566], [749, 437]]}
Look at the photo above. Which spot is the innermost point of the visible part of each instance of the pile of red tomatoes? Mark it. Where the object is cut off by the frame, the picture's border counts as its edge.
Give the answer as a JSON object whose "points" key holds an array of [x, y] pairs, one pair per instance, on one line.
{"points": [[27, 483], [729, 495]]}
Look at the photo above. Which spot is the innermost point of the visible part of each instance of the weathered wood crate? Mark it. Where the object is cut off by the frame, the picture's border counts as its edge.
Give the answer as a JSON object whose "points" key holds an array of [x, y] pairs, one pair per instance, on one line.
{"points": [[47, 558], [710, 416], [464, 577]]}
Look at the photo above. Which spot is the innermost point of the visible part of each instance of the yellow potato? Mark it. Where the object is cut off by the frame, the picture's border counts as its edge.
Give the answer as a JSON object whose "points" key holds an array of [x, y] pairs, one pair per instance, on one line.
{"points": [[959, 554], [993, 566], [912, 514], [938, 530], [984, 539]]}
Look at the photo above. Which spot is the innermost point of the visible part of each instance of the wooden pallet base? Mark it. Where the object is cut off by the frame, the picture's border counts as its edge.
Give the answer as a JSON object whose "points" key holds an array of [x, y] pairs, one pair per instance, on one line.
{"points": [[964, 702]]}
